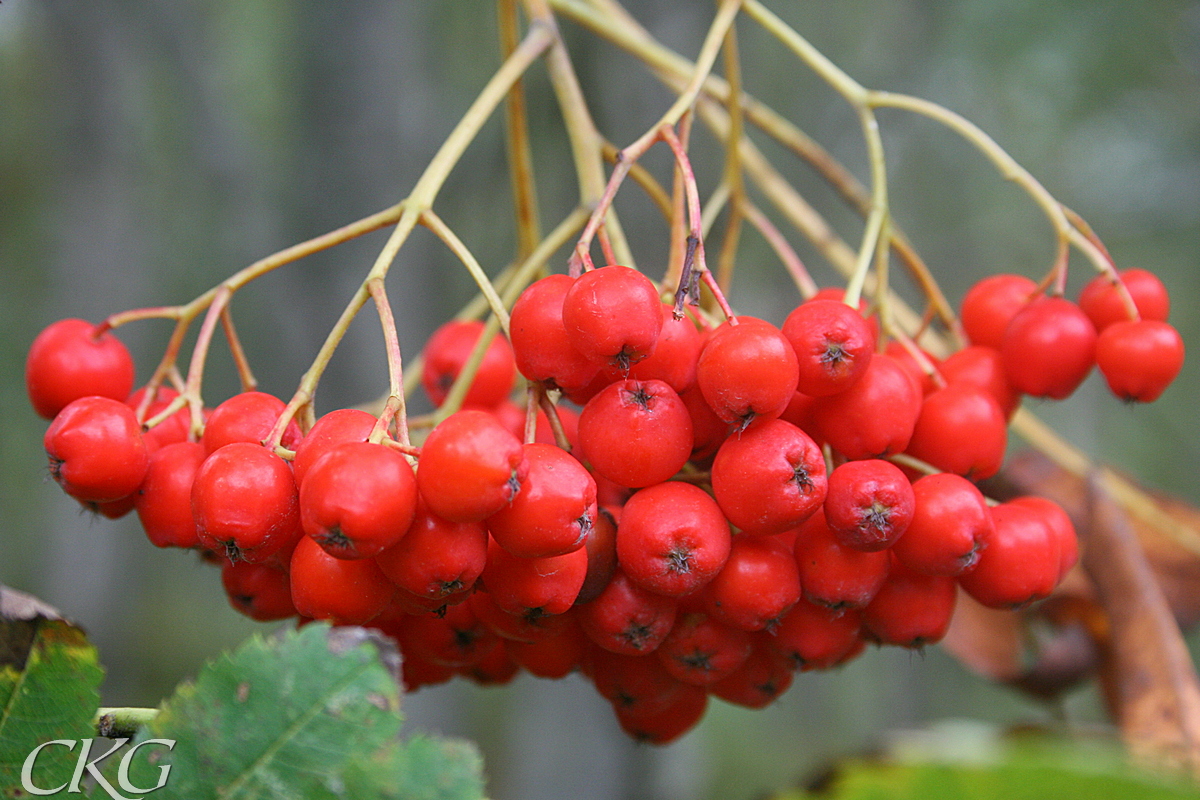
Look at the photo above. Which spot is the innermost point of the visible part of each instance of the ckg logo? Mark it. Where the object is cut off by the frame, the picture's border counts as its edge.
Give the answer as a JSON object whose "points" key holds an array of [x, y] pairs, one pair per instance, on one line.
{"points": [[84, 764]]}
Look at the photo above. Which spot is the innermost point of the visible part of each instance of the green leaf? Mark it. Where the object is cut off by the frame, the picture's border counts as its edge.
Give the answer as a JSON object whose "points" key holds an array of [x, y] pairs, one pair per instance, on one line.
{"points": [[49, 689], [280, 718], [423, 768]]}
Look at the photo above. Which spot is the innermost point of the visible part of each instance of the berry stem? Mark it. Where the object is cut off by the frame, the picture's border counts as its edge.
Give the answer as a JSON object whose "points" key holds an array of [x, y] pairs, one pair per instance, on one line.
{"points": [[520, 156], [783, 249], [434, 223], [245, 374], [395, 406]]}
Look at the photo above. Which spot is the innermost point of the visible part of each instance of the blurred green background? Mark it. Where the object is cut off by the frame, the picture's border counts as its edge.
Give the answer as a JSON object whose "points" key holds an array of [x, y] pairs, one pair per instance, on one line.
{"points": [[148, 150]]}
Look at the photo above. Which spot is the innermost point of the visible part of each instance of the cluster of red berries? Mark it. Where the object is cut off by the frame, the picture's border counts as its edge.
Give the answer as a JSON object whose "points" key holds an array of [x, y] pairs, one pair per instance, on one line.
{"points": [[729, 510]]}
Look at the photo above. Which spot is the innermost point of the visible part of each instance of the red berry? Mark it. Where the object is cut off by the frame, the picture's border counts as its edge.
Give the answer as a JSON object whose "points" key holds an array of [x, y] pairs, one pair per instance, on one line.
{"points": [[832, 574], [1048, 348], [449, 349], [672, 538], [769, 478], [601, 544], [626, 618], [674, 358], [869, 504], [470, 467], [961, 429], [812, 636], [682, 710], [358, 499], [68, 360], [950, 524], [245, 503], [833, 345], [164, 499], [337, 427], [96, 450], [700, 650], [534, 587], [990, 304], [1061, 528], [757, 586], [556, 656], [747, 372], [541, 345], [261, 592], [1103, 304], [1019, 562], [636, 433], [171, 430], [613, 315], [247, 417], [1139, 359], [873, 418], [555, 509], [911, 609], [983, 368], [762, 677], [436, 558], [455, 637], [336, 589]]}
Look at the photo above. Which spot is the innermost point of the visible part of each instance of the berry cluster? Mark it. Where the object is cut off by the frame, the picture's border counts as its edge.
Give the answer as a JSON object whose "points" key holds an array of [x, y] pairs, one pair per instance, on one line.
{"points": [[732, 503]]}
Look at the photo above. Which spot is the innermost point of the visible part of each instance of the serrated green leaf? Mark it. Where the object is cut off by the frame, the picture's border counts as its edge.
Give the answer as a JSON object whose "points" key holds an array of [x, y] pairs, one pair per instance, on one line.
{"points": [[422, 768], [277, 719], [49, 689]]}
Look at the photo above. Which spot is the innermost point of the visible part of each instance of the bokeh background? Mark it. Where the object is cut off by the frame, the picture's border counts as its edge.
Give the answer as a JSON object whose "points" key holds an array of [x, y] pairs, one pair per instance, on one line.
{"points": [[148, 150]]}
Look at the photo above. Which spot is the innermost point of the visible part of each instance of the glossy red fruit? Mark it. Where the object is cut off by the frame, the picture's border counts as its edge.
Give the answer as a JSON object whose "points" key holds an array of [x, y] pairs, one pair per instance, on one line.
{"points": [[449, 349], [950, 524], [541, 345], [869, 504], [833, 575], [1061, 528], [358, 499], [708, 430], [961, 429], [436, 558], [456, 637], [1019, 563], [613, 315], [247, 417], [245, 504], [553, 657], [69, 360], [523, 625], [637, 684], [762, 677], [672, 538], [983, 368], [534, 587], [747, 372], [470, 467], [1049, 348], [512, 417], [263, 593], [337, 427], [873, 418], [555, 509], [626, 618], [769, 478], [683, 710], [833, 345], [1102, 301], [812, 636], [95, 450], [636, 433], [701, 650], [911, 609], [757, 586], [336, 589], [1139, 360], [990, 305], [164, 499]]}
